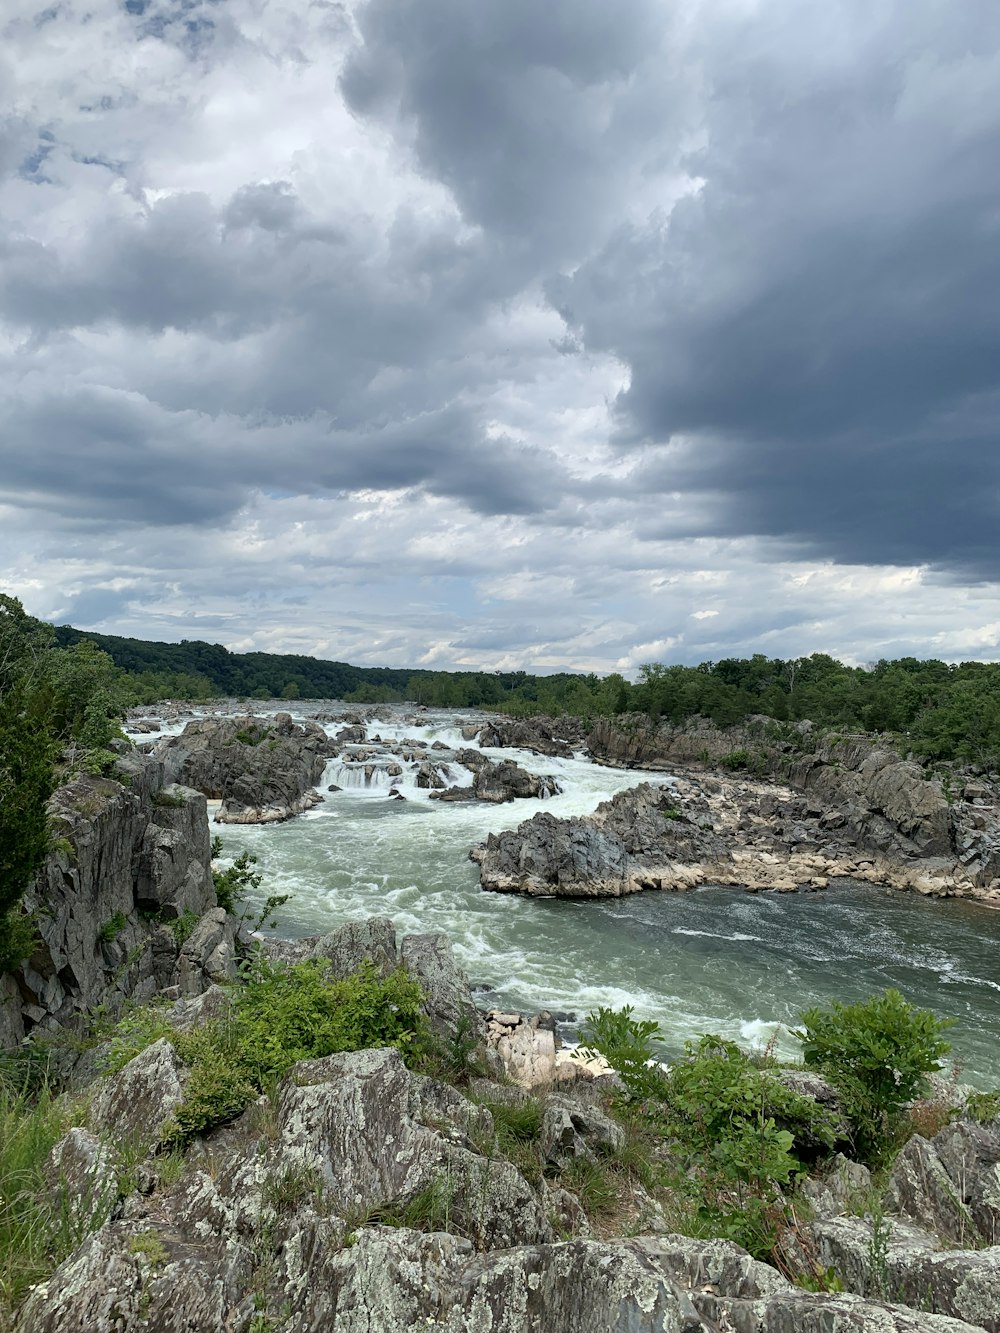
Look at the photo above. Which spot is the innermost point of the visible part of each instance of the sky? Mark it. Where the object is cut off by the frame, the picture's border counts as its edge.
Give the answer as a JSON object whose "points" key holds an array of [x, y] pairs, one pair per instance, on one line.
{"points": [[498, 335]]}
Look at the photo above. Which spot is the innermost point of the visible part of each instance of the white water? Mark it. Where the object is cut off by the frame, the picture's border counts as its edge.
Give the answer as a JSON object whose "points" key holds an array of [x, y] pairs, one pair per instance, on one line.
{"points": [[715, 959]]}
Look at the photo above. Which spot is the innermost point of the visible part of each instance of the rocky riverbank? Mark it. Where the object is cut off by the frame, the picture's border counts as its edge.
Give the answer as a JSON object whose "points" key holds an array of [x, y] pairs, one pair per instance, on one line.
{"points": [[362, 1195], [843, 807]]}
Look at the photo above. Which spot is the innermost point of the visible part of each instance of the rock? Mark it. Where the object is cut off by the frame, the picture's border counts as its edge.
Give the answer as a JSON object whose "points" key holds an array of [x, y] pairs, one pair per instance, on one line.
{"points": [[858, 793], [528, 1055], [371, 940], [82, 1174], [262, 770], [360, 1121], [173, 875], [136, 1103], [449, 1003], [572, 1132], [189, 1013], [921, 1190], [543, 735], [123, 848], [906, 1264], [208, 956], [839, 1189], [430, 776]]}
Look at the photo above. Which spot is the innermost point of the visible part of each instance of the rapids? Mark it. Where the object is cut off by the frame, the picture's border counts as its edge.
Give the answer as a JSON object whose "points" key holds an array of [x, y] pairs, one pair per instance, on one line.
{"points": [[714, 959]]}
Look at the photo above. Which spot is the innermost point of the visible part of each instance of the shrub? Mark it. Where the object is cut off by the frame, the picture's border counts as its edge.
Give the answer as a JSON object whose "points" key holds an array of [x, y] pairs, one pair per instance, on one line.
{"points": [[731, 1126], [281, 1016], [878, 1053], [235, 884]]}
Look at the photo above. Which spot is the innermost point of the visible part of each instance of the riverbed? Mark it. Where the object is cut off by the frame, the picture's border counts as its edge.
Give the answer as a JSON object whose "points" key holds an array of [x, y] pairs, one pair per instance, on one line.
{"points": [[713, 959]]}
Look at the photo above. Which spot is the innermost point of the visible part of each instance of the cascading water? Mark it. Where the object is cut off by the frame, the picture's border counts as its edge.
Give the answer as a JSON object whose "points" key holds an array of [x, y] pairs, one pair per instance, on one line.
{"points": [[710, 960]]}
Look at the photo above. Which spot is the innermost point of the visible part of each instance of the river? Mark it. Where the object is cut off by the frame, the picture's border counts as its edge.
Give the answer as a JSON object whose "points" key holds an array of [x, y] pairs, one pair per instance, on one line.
{"points": [[713, 959]]}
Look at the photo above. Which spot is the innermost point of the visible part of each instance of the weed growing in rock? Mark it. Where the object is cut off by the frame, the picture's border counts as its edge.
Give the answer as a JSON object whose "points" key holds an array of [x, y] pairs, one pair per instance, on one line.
{"points": [[112, 928]]}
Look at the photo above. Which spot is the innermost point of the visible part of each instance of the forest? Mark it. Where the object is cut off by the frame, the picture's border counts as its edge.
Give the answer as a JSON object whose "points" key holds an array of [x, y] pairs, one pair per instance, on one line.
{"points": [[943, 711]]}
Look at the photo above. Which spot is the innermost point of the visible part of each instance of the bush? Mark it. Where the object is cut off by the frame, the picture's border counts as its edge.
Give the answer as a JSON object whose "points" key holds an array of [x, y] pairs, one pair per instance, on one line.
{"points": [[281, 1016], [730, 1125], [878, 1053]]}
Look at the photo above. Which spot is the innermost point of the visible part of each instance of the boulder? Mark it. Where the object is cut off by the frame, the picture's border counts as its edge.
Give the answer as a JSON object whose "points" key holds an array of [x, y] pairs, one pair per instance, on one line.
{"points": [[135, 1104], [448, 1000], [372, 940], [208, 955]]}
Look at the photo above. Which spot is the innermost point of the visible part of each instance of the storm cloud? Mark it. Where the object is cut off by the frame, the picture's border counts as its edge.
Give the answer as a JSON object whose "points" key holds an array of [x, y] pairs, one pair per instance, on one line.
{"points": [[502, 334]]}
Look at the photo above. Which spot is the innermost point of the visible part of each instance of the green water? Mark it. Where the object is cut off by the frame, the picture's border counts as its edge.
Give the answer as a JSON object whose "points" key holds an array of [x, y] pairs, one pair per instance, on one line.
{"points": [[716, 959]]}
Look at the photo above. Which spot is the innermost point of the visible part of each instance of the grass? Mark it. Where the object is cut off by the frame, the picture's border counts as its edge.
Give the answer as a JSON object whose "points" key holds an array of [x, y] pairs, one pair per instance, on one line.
{"points": [[38, 1225]]}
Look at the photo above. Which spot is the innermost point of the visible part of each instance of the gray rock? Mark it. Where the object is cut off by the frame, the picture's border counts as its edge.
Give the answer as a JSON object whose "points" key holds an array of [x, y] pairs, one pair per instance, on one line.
{"points": [[449, 1003], [263, 770], [573, 1132], [360, 1121], [84, 1180], [189, 1013], [121, 851], [208, 956], [136, 1103], [921, 1191], [370, 940]]}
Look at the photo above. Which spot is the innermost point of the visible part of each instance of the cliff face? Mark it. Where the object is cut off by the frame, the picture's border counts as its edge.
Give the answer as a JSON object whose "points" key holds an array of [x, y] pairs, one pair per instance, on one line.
{"points": [[131, 855]]}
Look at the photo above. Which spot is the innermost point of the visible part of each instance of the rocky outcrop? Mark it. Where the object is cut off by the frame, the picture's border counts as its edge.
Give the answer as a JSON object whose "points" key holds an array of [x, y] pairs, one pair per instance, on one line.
{"points": [[560, 737], [263, 770], [496, 783], [695, 830], [130, 856], [936, 1246], [872, 798]]}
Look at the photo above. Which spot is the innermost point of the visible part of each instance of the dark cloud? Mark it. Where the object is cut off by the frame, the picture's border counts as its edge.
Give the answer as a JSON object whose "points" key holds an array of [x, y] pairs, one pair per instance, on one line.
{"points": [[347, 297], [816, 316], [521, 109]]}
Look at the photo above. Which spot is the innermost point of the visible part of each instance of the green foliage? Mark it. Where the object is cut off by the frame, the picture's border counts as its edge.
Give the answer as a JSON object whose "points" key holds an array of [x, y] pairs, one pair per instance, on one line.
{"points": [[983, 1106], [18, 939], [730, 1124], [943, 711], [132, 1033], [735, 759], [237, 883], [57, 707], [169, 800], [627, 1044], [234, 883], [181, 927], [112, 928], [283, 1015], [38, 1226], [878, 1053]]}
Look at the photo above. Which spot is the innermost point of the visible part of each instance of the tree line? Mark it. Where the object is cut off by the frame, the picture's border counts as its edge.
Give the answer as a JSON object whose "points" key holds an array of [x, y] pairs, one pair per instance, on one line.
{"points": [[941, 710]]}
